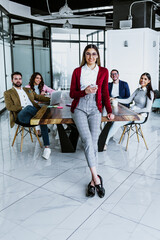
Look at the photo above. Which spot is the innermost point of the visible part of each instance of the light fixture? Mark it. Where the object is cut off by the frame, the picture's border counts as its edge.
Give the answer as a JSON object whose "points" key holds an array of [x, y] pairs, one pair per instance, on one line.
{"points": [[65, 10], [143, 1], [154, 44], [4, 35], [67, 25], [125, 43]]}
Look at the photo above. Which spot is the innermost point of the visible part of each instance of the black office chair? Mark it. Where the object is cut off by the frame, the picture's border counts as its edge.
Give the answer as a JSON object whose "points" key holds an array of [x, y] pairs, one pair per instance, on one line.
{"points": [[27, 128], [135, 128]]}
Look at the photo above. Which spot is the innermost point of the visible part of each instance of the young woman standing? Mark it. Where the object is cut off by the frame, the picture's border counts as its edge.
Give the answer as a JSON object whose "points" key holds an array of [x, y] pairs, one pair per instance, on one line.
{"points": [[89, 90]]}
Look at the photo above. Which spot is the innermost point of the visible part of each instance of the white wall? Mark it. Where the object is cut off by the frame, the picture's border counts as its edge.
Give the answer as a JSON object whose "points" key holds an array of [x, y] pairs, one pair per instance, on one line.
{"points": [[17, 9], [140, 56], [5, 4]]}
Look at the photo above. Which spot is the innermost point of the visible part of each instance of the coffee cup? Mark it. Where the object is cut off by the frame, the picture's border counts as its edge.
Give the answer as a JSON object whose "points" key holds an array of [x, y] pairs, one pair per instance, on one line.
{"points": [[114, 102]]}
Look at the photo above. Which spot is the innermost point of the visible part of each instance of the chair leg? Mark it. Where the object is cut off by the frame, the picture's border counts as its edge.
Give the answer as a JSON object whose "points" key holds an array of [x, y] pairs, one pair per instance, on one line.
{"points": [[22, 138], [30, 134], [35, 132], [15, 136], [137, 132], [143, 136], [124, 130], [128, 137]]}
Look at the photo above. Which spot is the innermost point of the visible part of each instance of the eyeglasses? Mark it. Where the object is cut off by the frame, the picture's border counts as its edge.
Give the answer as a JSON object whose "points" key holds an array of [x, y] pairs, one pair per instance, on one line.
{"points": [[112, 74], [91, 54]]}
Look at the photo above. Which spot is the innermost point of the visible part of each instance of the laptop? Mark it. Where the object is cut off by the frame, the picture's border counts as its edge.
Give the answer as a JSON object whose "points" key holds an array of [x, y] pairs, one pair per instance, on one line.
{"points": [[55, 98]]}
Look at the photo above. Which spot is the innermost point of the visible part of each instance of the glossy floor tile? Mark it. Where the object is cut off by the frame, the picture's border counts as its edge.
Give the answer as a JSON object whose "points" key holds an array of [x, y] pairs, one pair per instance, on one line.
{"points": [[46, 200]]}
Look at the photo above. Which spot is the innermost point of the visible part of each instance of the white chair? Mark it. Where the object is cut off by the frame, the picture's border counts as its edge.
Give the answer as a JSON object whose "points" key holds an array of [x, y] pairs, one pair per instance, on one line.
{"points": [[24, 129], [134, 128]]}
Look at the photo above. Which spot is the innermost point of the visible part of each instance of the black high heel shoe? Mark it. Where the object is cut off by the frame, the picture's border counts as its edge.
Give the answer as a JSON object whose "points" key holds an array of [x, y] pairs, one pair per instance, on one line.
{"points": [[99, 188], [90, 190]]}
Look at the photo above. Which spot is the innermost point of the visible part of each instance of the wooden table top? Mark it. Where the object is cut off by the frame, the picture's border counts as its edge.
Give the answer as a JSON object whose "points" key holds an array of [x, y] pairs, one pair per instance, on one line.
{"points": [[59, 116]]}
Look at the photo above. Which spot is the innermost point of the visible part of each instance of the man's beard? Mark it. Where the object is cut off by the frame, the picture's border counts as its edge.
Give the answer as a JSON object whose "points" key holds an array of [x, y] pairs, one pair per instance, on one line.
{"points": [[18, 84]]}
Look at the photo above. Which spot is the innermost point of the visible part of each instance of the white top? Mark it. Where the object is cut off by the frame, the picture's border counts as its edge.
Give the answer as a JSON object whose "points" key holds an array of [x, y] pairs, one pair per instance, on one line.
{"points": [[24, 99], [36, 89], [88, 76], [115, 90]]}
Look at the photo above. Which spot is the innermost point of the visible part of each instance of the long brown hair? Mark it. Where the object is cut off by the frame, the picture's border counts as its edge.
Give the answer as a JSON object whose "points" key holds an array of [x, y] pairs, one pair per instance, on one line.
{"points": [[32, 79], [149, 85], [83, 62]]}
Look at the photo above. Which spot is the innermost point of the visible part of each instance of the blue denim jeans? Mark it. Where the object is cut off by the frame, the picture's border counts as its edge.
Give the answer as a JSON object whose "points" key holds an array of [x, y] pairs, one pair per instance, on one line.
{"points": [[25, 115]]}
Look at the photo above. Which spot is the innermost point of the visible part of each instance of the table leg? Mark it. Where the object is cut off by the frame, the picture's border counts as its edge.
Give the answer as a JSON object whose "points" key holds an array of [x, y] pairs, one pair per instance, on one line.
{"points": [[68, 143], [103, 136], [74, 135]]}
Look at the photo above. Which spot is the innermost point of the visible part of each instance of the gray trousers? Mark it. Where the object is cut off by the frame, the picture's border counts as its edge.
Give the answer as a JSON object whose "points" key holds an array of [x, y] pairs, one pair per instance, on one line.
{"points": [[88, 119]]}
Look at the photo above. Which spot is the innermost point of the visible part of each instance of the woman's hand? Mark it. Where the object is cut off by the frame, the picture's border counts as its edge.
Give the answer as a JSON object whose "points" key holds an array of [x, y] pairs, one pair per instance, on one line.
{"points": [[110, 116], [91, 89], [112, 98], [43, 93]]}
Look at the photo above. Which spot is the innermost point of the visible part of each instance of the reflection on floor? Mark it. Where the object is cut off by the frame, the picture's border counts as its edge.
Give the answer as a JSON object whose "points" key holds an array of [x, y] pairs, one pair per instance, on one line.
{"points": [[2, 106], [45, 200]]}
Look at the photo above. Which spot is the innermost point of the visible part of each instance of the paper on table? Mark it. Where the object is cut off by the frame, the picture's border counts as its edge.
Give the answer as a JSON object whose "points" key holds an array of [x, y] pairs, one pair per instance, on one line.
{"points": [[59, 107]]}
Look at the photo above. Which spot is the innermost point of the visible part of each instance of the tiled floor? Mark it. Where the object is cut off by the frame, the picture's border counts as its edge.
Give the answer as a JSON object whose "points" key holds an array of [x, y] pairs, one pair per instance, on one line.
{"points": [[2, 106], [45, 200]]}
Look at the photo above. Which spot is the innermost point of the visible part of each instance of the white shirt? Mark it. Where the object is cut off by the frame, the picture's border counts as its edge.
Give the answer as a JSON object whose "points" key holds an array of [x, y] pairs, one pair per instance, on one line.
{"points": [[144, 89], [36, 89], [115, 90], [24, 99], [88, 76]]}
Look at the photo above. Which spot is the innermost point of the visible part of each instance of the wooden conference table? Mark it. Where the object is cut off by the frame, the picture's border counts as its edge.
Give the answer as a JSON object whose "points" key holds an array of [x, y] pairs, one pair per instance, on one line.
{"points": [[68, 140]]}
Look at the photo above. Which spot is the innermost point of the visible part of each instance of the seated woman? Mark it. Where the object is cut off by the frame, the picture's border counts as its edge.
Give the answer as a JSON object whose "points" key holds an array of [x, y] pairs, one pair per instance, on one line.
{"points": [[36, 83], [143, 98]]}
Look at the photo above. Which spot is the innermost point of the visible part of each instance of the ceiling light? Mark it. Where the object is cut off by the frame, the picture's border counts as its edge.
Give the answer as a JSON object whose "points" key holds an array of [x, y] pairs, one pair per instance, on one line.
{"points": [[65, 10], [4, 35], [67, 25]]}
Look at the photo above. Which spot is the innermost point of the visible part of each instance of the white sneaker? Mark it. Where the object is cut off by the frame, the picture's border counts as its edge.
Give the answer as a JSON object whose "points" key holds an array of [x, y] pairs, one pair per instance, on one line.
{"points": [[46, 153], [105, 147], [54, 127]]}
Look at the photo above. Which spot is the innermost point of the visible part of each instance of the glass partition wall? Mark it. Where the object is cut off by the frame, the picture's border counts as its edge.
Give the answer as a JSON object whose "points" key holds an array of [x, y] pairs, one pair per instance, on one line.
{"points": [[31, 50], [52, 51], [5, 56], [67, 50], [30, 46]]}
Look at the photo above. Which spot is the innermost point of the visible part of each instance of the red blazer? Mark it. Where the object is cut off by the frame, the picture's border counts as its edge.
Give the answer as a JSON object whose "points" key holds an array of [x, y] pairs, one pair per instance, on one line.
{"points": [[102, 95]]}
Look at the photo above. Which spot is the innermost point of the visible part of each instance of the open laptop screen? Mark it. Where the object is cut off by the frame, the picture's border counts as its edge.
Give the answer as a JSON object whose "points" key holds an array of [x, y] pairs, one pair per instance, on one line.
{"points": [[55, 97]]}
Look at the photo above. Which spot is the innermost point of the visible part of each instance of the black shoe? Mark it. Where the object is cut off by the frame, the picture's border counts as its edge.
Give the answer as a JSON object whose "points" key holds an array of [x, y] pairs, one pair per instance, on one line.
{"points": [[100, 189], [90, 190], [49, 130], [39, 135]]}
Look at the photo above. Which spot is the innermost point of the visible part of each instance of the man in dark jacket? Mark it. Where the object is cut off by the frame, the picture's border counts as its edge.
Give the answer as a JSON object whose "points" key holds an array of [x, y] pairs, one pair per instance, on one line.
{"points": [[118, 88]]}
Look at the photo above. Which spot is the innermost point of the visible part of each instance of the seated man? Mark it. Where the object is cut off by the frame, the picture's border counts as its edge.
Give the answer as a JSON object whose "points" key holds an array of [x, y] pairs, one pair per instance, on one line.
{"points": [[118, 88], [20, 101]]}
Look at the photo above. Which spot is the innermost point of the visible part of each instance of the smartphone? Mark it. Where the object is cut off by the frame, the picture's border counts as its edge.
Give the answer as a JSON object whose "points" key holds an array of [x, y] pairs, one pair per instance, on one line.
{"points": [[93, 85]]}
